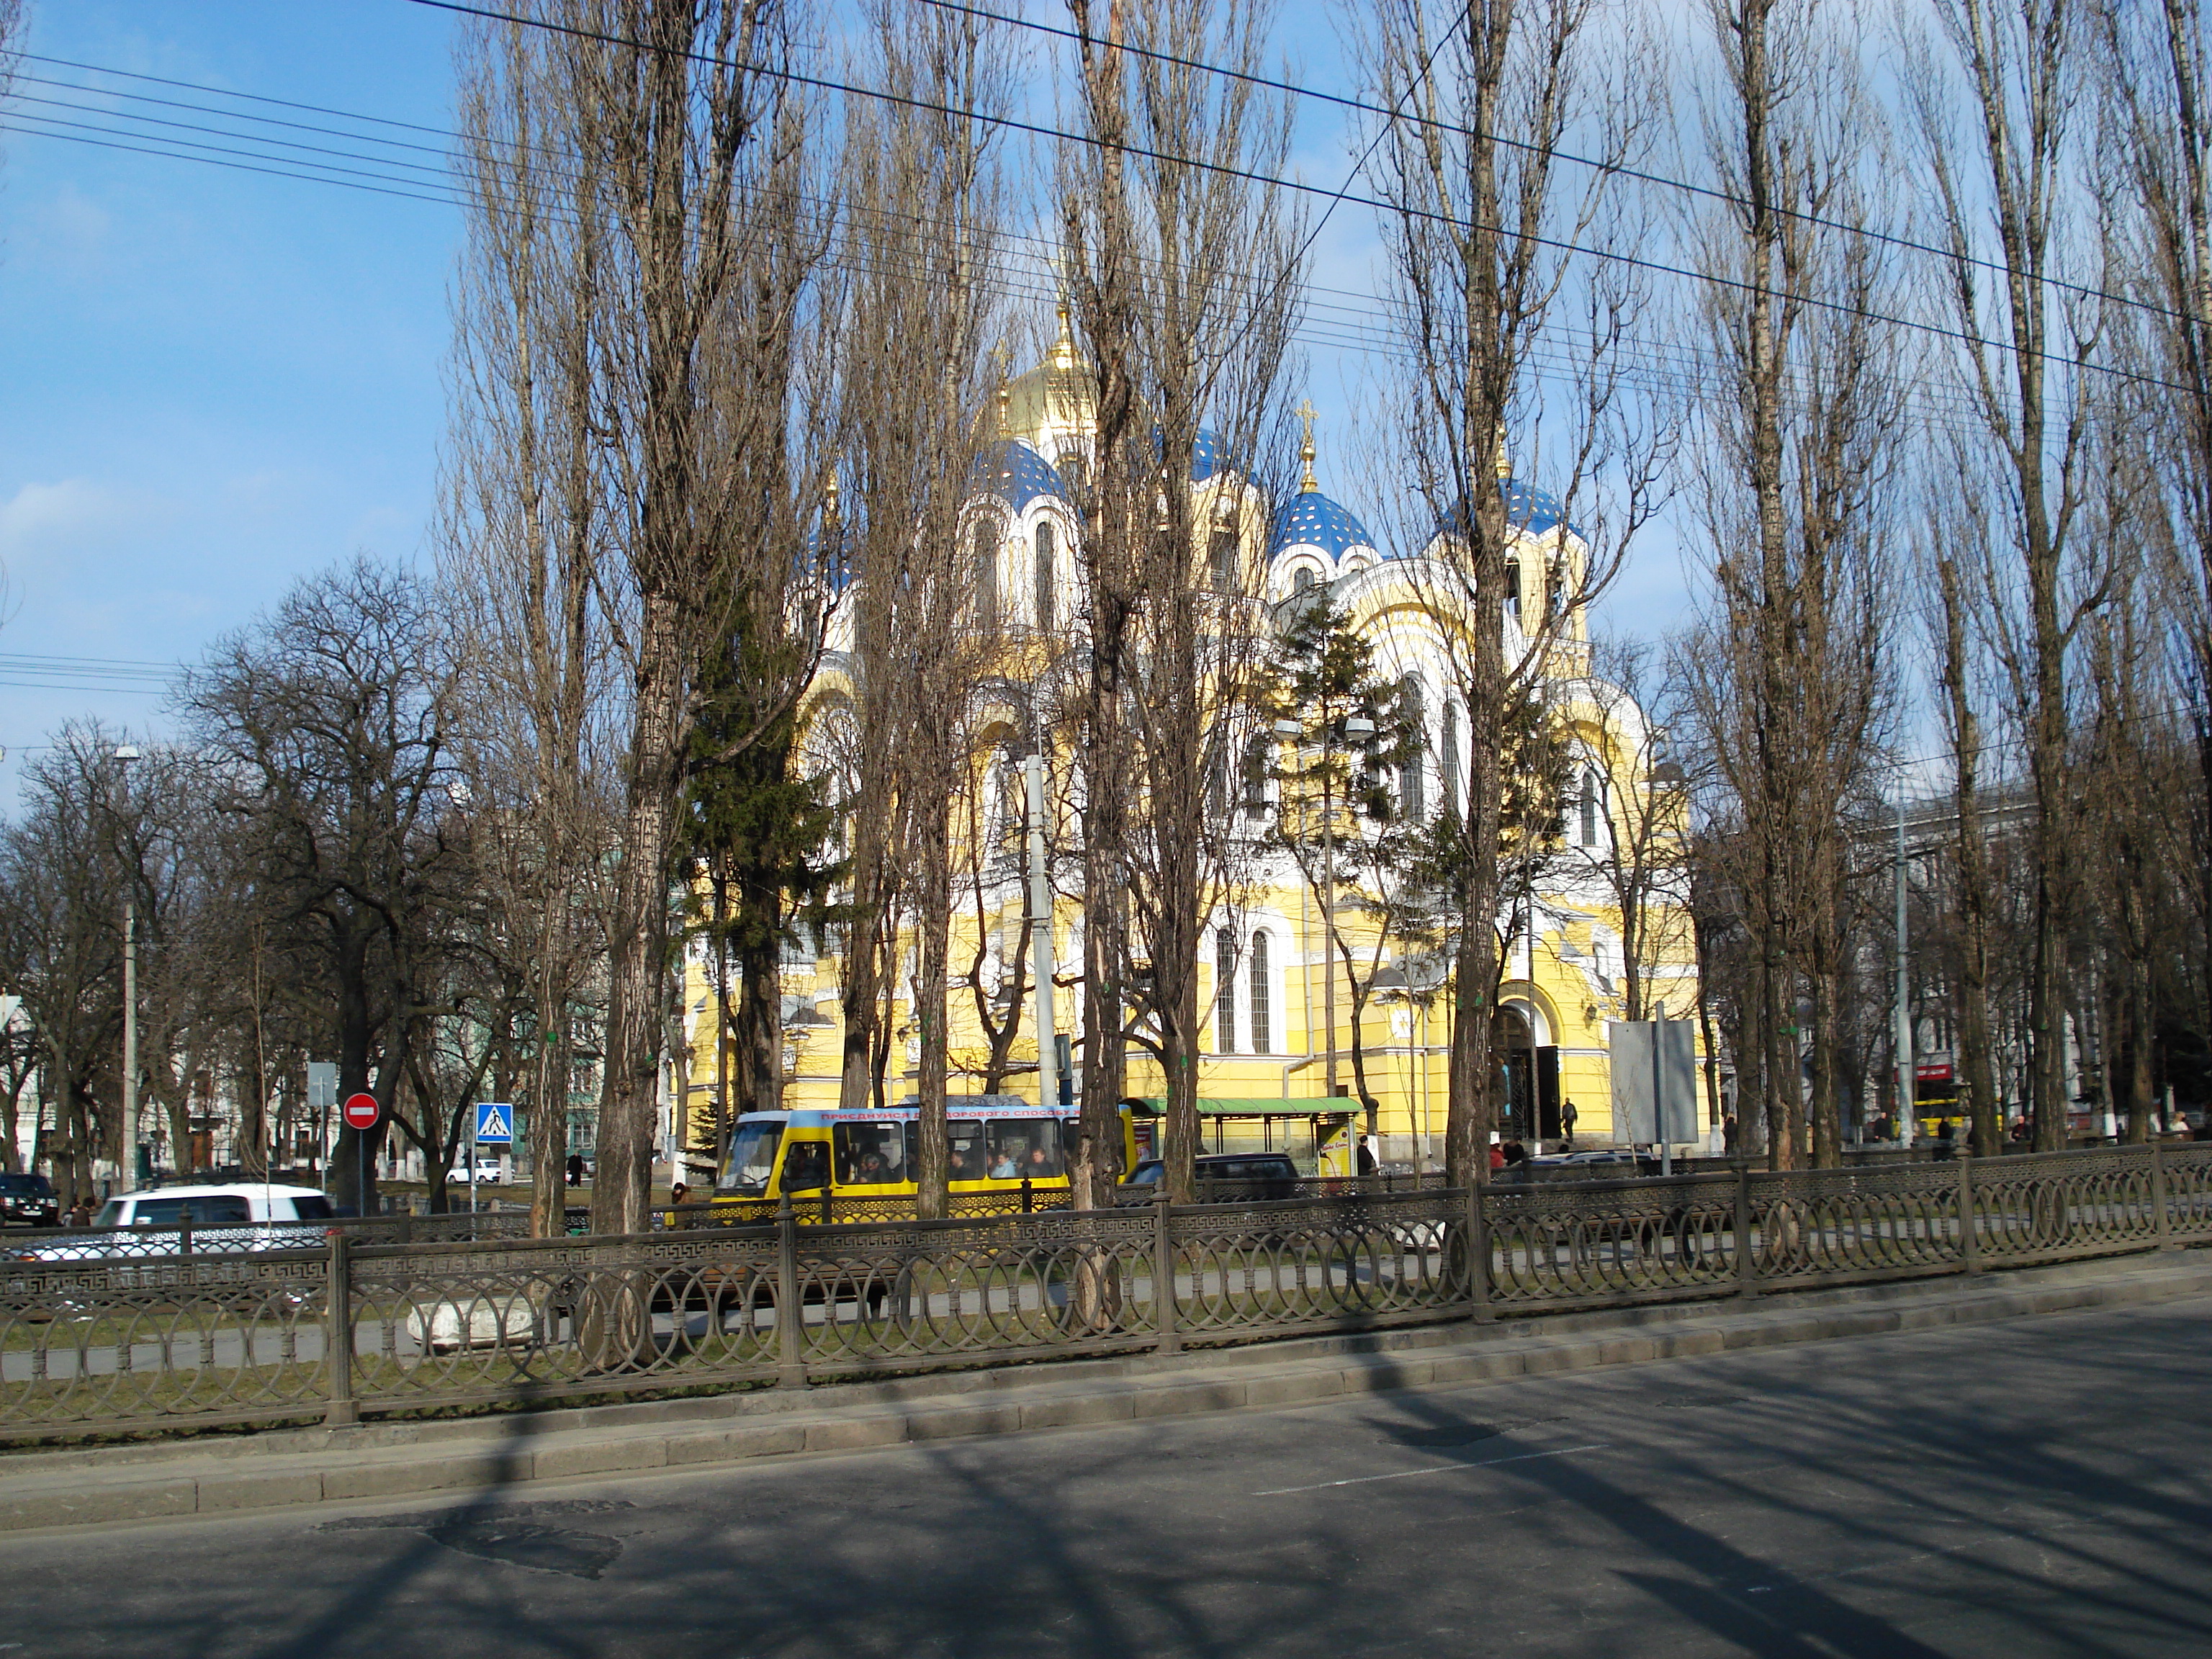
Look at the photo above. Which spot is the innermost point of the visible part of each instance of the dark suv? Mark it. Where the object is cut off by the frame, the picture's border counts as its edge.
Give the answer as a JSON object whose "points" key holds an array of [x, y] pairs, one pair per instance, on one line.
{"points": [[1228, 1176], [28, 1201]]}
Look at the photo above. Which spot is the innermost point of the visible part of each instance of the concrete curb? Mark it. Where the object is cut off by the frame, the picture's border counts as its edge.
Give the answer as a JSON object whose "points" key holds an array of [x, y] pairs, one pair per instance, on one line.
{"points": [[80, 1487]]}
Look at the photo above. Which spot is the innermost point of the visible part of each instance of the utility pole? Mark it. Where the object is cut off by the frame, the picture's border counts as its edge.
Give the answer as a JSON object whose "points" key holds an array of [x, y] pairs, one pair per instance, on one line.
{"points": [[1041, 964], [129, 1171], [127, 1174], [1903, 1039]]}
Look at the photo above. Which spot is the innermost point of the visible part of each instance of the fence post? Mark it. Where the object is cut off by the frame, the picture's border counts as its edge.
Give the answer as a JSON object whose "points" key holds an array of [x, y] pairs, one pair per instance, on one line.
{"points": [[1478, 1249], [1970, 1222], [790, 1309], [1029, 1202], [2158, 1197], [185, 1233], [338, 1333], [1746, 1258], [1164, 1275]]}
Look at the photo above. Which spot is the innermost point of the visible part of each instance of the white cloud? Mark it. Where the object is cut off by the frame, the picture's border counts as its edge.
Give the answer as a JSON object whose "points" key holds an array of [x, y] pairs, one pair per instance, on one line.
{"points": [[47, 521]]}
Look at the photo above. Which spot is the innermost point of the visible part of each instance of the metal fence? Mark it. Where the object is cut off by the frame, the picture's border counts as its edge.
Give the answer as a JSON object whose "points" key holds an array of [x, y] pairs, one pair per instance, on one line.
{"points": [[375, 1321]]}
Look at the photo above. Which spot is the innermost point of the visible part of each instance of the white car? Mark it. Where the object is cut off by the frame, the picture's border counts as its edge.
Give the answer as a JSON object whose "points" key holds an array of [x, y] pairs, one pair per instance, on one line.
{"points": [[487, 1171], [246, 1216]]}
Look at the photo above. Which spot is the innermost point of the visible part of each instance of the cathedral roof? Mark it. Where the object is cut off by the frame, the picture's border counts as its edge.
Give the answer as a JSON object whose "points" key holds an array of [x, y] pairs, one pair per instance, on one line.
{"points": [[1312, 519], [1017, 475], [1527, 509]]}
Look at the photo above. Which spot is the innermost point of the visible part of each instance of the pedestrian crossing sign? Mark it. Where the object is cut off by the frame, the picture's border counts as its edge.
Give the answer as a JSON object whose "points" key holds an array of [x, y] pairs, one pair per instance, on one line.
{"points": [[495, 1121]]}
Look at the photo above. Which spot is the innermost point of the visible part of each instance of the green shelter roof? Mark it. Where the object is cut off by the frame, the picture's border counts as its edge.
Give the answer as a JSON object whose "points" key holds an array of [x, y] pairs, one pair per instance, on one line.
{"points": [[1259, 1106]]}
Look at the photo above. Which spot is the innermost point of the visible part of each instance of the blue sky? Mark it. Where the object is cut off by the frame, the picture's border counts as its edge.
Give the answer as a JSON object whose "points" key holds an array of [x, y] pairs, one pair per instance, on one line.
{"points": [[213, 382]]}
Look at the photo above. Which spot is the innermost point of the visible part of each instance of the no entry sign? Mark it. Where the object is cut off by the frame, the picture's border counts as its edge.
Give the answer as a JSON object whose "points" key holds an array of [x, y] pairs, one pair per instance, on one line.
{"points": [[361, 1112]]}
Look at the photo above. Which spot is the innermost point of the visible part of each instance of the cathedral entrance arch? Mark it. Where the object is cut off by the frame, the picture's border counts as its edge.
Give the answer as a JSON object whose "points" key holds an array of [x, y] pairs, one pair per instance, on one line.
{"points": [[1525, 1067]]}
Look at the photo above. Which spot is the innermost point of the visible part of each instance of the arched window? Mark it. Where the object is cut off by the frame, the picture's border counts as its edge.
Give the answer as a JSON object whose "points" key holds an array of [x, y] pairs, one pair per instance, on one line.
{"points": [[1302, 581], [1513, 589], [1013, 819], [1451, 754], [1225, 991], [986, 578], [1412, 715], [1223, 553], [1217, 775], [1044, 576], [1588, 804], [1255, 778], [1262, 1038]]}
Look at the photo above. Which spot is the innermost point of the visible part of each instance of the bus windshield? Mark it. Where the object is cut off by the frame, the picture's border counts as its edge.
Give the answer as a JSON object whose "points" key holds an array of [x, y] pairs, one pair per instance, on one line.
{"points": [[752, 1158]]}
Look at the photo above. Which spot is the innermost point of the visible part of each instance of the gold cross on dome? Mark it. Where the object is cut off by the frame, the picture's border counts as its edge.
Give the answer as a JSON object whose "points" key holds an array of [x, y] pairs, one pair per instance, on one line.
{"points": [[1305, 412]]}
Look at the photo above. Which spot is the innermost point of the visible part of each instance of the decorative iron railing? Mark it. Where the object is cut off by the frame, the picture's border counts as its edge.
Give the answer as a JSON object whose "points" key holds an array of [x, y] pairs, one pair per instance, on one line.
{"points": [[102, 1333]]}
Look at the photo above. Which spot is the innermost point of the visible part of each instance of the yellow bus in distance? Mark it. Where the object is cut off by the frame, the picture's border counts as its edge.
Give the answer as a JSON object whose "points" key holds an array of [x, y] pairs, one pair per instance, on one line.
{"points": [[995, 1143]]}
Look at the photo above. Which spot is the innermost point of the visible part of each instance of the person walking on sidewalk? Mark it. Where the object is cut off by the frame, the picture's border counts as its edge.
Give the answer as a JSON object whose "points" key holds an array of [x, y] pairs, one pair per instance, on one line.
{"points": [[1567, 1115]]}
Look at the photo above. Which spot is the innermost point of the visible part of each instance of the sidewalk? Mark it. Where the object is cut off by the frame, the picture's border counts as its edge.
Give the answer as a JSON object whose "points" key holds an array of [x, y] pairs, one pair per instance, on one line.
{"points": [[209, 1475]]}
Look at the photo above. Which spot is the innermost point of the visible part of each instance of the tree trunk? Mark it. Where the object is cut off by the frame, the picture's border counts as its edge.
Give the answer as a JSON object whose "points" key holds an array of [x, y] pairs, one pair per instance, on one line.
{"points": [[931, 992], [637, 952]]}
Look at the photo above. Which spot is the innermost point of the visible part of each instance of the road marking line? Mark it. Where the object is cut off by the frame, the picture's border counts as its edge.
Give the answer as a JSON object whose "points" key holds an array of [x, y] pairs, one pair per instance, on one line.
{"points": [[1435, 1468]]}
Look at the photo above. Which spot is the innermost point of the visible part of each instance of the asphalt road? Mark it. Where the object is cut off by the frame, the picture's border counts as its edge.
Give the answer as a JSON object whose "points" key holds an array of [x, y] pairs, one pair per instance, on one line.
{"points": [[2038, 1487]]}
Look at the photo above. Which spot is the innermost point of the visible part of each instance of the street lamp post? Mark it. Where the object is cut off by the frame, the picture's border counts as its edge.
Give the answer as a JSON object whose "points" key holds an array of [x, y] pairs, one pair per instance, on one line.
{"points": [[1355, 730], [127, 1174], [1041, 959], [1903, 1039]]}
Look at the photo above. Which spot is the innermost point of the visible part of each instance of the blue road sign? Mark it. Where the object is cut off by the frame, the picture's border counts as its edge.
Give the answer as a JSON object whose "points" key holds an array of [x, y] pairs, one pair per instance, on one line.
{"points": [[494, 1121]]}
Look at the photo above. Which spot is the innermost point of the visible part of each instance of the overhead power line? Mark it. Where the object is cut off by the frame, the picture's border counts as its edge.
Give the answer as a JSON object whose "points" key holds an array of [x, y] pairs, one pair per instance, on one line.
{"points": [[1333, 318], [104, 674], [1360, 105], [824, 83]]}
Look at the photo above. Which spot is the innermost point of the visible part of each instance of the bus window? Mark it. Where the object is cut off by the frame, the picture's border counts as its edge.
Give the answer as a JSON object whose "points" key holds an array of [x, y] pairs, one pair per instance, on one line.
{"points": [[870, 1154], [805, 1167], [1019, 1148], [752, 1159], [965, 1159]]}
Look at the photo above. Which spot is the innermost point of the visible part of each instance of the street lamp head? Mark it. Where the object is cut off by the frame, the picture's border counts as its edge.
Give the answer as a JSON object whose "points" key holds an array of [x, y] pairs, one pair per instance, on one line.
{"points": [[1359, 727], [1289, 728], [126, 751]]}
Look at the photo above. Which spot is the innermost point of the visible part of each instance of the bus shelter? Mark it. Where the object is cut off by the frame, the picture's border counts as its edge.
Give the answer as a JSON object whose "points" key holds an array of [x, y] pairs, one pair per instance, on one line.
{"points": [[1319, 1133]]}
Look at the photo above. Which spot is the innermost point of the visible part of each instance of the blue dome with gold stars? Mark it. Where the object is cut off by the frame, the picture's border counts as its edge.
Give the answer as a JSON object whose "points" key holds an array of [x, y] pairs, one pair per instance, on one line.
{"points": [[1527, 509], [1312, 519], [1017, 475]]}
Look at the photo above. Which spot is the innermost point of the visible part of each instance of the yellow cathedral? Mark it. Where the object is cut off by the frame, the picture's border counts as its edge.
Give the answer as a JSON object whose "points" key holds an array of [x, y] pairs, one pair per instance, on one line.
{"points": [[1281, 1029]]}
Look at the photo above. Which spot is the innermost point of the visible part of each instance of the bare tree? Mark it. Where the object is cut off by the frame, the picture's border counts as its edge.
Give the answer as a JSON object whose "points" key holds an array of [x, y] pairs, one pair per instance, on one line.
{"points": [[62, 931], [1800, 417], [326, 725], [1482, 229], [2153, 86], [668, 210], [525, 540], [1185, 277], [2004, 193], [927, 199], [1635, 795]]}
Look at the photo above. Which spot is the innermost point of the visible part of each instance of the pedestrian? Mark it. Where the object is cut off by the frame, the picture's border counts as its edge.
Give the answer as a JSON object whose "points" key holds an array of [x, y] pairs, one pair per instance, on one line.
{"points": [[575, 1169], [1728, 1134], [80, 1212], [1497, 1157], [1368, 1162], [678, 1192], [1567, 1115]]}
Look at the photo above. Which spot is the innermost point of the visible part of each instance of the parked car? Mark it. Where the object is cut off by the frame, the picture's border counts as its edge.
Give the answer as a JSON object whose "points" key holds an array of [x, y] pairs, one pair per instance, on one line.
{"points": [[247, 1216], [1602, 1162], [1224, 1175], [487, 1172], [28, 1201]]}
